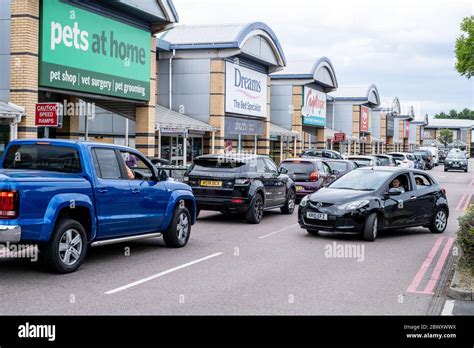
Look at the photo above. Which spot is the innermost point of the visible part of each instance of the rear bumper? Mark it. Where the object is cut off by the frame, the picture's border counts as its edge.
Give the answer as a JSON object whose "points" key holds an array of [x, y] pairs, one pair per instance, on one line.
{"points": [[10, 234], [220, 204], [303, 189]]}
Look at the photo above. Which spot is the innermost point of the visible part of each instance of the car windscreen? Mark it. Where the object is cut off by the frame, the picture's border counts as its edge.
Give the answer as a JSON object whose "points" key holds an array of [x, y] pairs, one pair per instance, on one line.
{"points": [[298, 167], [455, 157], [361, 179], [217, 165], [341, 167], [361, 162], [43, 157]]}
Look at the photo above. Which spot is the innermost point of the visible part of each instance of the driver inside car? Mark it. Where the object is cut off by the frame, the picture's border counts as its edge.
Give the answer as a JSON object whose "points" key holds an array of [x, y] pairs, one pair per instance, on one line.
{"points": [[396, 184]]}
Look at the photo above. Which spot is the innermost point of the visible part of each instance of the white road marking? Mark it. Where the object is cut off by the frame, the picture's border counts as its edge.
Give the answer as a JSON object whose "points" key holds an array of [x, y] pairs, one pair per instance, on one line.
{"points": [[448, 308], [275, 232], [168, 271]]}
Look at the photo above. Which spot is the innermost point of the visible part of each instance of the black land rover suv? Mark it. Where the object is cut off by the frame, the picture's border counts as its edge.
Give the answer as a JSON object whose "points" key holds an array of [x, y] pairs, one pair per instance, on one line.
{"points": [[240, 184]]}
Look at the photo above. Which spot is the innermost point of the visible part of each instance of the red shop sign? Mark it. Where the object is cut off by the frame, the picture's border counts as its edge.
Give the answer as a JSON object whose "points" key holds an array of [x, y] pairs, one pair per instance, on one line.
{"points": [[364, 119], [47, 115], [338, 137]]}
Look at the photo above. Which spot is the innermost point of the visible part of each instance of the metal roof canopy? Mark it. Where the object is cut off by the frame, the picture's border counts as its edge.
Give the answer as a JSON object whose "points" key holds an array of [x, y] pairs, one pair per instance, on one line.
{"points": [[368, 94], [170, 118], [10, 110], [276, 130]]}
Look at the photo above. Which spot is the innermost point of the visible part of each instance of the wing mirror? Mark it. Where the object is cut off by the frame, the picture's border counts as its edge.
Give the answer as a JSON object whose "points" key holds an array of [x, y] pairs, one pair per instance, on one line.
{"points": [[335, 172], [394, 192], [283, 170]]}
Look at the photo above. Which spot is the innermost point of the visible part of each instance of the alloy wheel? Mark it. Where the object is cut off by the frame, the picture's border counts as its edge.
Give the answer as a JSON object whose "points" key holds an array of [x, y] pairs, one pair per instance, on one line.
{"points": [[440, 220], [182, 227], [70, 247]]}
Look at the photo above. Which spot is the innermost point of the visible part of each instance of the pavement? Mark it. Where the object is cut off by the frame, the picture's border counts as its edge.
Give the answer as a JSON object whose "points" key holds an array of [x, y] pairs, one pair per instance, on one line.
{"points": [[231, 267]]}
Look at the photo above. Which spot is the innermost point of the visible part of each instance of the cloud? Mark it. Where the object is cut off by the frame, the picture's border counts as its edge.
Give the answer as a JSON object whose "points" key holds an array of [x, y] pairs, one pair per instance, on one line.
{"points": [[406, 47]]}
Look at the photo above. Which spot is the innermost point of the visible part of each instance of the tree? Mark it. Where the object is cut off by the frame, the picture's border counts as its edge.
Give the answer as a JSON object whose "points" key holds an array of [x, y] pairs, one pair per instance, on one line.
{"points": [[465, 114], [445, 137], [464, 49]]}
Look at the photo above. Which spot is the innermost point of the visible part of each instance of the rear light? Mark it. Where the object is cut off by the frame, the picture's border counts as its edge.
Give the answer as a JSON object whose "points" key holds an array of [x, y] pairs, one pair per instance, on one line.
{"points": [[314, 176], [443, 190], [8, 204], [237, 200], [244, 181]]}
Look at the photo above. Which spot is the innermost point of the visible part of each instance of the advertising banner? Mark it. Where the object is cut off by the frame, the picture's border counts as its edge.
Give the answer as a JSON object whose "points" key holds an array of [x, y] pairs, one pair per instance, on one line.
{"points": [[390, 125], [364, 125], [314, 107], [86, 52], [245, 91], [339, 137]]}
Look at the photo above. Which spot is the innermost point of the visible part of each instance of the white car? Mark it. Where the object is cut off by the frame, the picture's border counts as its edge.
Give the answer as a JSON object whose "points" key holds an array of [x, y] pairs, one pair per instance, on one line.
{"points": [[404, 159]]}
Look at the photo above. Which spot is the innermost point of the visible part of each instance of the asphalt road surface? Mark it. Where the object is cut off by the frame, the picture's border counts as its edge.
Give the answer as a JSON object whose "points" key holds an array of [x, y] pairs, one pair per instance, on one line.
{"points": [[231, 267]]}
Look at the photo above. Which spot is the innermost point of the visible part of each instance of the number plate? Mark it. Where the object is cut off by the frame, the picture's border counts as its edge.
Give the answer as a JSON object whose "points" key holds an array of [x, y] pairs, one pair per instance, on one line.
{"points": [[316, 216], [211, 183], [299, 188], [455, 165]]}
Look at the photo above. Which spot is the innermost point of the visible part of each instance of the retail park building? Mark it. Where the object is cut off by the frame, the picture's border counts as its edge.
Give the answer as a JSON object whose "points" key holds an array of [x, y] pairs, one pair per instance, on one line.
{"points": [[178, 91]]}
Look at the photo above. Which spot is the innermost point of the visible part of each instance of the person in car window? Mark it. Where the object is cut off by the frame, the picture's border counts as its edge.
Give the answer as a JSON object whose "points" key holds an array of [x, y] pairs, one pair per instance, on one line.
{"points": [[396, 184], [419, 182]]}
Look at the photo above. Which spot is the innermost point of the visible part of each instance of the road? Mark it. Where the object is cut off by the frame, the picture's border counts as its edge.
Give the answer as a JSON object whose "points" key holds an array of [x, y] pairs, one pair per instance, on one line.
{"points": [[231, 267]]}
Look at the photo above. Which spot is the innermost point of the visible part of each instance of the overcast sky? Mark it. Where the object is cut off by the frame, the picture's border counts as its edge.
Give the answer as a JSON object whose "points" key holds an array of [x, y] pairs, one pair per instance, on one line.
{"points": [[405, 47]]}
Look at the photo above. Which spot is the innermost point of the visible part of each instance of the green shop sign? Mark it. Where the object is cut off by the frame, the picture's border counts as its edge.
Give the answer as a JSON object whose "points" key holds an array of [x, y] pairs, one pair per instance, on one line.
{"points": [[83, 51]]}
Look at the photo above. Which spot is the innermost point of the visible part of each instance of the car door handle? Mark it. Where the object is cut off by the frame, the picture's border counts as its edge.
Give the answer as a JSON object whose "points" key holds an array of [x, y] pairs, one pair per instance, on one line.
{"points": [[412, 198], [103, 190], [135, 191]]}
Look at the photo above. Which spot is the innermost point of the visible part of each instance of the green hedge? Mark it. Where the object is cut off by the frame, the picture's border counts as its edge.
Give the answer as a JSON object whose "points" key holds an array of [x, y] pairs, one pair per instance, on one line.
{"points": [[466, 237]]}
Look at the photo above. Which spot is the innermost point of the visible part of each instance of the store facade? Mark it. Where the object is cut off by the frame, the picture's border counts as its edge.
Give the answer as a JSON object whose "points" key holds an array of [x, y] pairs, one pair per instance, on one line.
{"points": [[219, 75], [98, 54], [299, 104], [352, 109]]}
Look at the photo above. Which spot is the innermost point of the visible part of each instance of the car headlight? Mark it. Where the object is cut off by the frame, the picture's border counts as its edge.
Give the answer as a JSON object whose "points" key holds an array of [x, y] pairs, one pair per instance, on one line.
{"points": [[354, 205], [304, 201]]}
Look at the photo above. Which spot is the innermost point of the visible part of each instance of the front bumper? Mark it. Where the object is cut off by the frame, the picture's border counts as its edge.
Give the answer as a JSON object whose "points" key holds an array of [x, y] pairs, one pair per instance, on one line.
{"points": [[340, 222], [10, 234], [461, 166]]}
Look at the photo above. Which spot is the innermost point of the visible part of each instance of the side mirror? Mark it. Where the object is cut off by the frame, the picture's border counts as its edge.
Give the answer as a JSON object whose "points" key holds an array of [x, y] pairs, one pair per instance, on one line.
{"points": [[162, 175], [283, 170], [398, 162], [394, 192], [335, 172]]}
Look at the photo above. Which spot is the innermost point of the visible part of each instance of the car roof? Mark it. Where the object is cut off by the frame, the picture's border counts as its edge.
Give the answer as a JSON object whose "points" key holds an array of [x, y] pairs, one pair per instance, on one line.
{"points": [[304, 159], [393, 169], [362, 156], [233, 156]]}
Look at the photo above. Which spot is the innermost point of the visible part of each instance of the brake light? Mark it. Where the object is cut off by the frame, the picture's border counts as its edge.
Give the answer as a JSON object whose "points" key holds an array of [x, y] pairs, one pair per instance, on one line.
{"points": [[237, 200], [8, 204], [314, 176]]}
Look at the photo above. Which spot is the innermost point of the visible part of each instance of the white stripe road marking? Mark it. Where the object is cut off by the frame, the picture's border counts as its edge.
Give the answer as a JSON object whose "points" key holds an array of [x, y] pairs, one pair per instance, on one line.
{"points": [[448, 308], [275, 232], [168, 271]]}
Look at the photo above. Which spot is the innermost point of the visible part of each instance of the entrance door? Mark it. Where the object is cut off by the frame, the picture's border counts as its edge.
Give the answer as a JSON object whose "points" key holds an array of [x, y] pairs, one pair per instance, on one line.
{"points": [[177, 150], [4, 137]]}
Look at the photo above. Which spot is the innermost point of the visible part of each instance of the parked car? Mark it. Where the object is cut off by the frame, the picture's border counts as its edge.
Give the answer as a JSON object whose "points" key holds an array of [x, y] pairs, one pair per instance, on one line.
{"points": [[368, 200], [365, 161], [427, 158], [68, 195], [322, 154], [434, 152], [442, 155], [387, 160], [341, 166], [405, 160], [241, 184], [456, 161], [308, 174]]}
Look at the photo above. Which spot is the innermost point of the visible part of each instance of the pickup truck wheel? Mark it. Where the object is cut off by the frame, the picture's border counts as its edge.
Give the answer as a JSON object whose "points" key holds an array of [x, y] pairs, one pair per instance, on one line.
{"points": [[255, 213], [179, 230], [289, 206], [67, 249]]}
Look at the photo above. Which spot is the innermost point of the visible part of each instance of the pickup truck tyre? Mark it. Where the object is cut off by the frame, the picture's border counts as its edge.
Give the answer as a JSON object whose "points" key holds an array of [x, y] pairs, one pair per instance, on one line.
{"points": [[179, 230], [67, 248], [255, 213], [289, 206]]}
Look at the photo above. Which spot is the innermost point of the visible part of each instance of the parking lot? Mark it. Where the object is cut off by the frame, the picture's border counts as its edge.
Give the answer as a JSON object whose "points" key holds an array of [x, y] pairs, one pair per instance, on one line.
{"points": [[231, 267]]}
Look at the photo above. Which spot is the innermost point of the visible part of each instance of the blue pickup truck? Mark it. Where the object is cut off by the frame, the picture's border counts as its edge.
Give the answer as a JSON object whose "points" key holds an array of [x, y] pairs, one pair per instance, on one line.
{"points": [[66, 195]]}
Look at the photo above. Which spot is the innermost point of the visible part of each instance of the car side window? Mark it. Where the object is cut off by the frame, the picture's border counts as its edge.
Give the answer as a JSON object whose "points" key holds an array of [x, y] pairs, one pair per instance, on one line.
{"points": [[136, 167], [271, 167], [402, 182], [422, 181], [106, 164], [326, 168], [261, 167]]}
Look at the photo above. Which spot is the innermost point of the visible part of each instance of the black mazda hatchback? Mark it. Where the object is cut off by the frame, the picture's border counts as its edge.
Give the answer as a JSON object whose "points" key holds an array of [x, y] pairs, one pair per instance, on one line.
{"points": [[367, 200]]}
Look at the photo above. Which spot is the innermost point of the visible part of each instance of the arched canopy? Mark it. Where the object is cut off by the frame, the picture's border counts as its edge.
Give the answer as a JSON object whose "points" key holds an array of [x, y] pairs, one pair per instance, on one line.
{"points": [[321, 71], [396, 108], [366, 94], [255, 39]]}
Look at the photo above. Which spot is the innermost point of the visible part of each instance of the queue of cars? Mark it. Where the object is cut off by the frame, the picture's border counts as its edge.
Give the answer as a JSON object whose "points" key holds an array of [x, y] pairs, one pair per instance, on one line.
{"points": [[66, 196]]}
